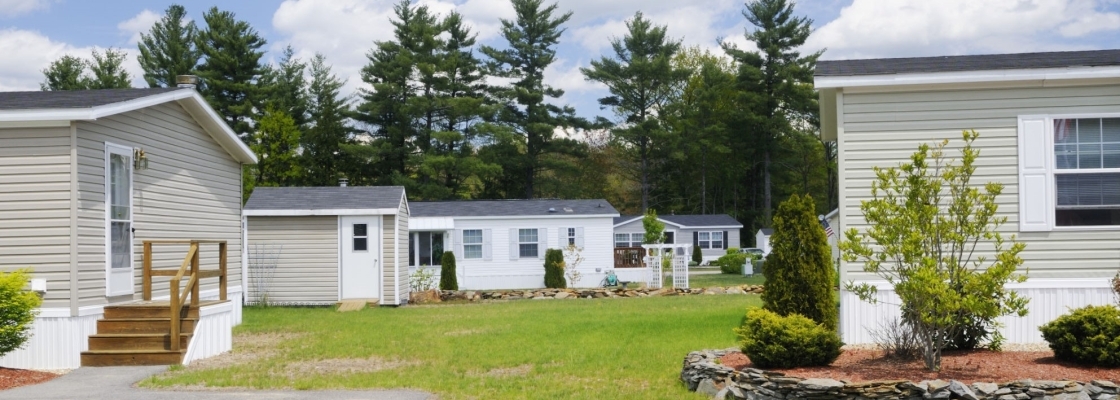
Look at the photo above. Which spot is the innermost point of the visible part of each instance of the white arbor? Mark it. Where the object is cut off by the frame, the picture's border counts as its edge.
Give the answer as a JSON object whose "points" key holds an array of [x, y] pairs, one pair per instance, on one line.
{"points": [[655, 253]]}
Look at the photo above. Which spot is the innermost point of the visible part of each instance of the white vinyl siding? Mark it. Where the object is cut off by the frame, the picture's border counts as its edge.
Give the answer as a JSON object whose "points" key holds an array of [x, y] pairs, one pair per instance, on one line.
{"points": [[307, 267], [191, 190], [884, 129], [497, 269], [35, 207]]}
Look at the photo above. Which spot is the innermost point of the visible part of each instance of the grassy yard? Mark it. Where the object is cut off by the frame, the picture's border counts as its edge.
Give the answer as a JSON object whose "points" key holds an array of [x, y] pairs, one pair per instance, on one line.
{"points": [[722, 280], [547, 349]]}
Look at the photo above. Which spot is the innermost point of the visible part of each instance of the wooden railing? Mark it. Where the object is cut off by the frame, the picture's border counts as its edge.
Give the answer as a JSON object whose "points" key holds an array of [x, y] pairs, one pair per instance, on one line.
{"points": [[629, 257], [195, 275]]}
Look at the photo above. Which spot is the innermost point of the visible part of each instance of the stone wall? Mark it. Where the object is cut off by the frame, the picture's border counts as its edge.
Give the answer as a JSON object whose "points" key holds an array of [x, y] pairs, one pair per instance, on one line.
{"points": [[596, 293], [702, 373]]}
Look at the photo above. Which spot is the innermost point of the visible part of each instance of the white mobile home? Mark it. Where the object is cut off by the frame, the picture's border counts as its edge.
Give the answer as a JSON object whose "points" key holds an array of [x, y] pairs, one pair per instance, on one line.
{"points": [[86, 179], [321, 245], [500, 244], [1049, 127]]}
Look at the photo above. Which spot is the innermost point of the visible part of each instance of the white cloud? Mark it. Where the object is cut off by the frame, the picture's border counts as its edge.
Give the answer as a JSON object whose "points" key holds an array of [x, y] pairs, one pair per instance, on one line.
{"points": [[868, 28], [13, 8], [28, 53], [141, 23]]}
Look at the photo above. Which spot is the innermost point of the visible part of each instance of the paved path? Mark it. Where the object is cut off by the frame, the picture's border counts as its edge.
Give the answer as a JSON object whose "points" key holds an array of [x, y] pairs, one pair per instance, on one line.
{"points": [[115, 383]]}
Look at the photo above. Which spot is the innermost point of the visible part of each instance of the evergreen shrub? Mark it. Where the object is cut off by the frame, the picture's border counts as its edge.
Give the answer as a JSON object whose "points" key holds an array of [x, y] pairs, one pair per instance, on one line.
{"points": [[773, 341], [799, 273], [1088, 335], [554, 269], [447, 279]]}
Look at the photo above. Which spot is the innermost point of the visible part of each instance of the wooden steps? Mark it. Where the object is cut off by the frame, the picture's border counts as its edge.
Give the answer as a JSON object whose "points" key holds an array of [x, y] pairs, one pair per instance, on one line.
{"points": [[139, 334]]}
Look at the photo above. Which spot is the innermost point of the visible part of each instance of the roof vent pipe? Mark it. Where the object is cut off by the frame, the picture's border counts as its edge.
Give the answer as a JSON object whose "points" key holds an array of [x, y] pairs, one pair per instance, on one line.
{"points": [[186, 81], [343, 182], [551, 210]]}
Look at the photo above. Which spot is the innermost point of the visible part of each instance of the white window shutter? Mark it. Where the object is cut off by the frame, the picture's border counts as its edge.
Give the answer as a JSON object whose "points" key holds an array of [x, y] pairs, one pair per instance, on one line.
{"points": [[579, 237], [457, 243], [542, 242], [514, 252], [562, 238], [1036, 208], [486, 252]]}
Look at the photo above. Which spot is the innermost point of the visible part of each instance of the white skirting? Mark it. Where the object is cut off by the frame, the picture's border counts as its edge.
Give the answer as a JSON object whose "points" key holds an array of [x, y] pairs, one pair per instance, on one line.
{"points": [[1049, 299], [213, 334], [55, 343]]}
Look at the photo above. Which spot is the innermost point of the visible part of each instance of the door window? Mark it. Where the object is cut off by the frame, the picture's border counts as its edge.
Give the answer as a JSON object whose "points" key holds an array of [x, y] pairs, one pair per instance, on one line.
{"points": [[361, 237]]}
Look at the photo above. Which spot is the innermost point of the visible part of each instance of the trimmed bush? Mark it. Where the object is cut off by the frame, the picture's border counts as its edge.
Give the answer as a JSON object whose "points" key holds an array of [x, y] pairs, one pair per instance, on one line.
{"points": [[554, 269], [799, 273], [1088, 335], [447, 279], [732, 262], [17, 310], [697, 255], [773, 341]]}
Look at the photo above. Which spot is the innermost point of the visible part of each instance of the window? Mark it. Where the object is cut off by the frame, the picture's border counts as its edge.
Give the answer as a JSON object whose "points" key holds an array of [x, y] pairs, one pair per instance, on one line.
{"points": [[1087, 171], [361, 238], [527, 243], [628, 239], [571, 236], [472, 243], [427, 247], [710, 240], [670, 237]]}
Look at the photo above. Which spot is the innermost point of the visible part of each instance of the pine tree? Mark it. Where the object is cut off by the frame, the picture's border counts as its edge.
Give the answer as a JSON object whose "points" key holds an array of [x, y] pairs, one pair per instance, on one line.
{"points": [[284, 87], [532, 37], [554, 269], [641, 78], [107, 71], [323, 157], [169, 48], [778, 74], [447, 278], [275, 141], [231, 68], [65, 73], [799, 271]]}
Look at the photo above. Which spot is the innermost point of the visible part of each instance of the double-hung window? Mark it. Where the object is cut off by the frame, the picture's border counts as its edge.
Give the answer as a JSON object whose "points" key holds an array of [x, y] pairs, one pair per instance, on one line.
{"points": [[527, 243], [571, 236], [710, 240], [1069, 172], [472, 243], [628, 239]]}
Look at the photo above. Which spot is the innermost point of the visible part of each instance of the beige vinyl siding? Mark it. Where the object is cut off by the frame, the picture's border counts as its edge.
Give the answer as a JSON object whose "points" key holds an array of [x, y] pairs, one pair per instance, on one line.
{"points": [[190, 191], [307, 268], [884, 129], [35, 207], [389, 261], [400, 255]]}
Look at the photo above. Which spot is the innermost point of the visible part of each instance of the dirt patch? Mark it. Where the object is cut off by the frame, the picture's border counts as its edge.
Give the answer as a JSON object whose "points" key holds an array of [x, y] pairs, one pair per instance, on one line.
{"points": [[966, 366], [334, 366], [12, 377], [247, 348], [520, 370]]}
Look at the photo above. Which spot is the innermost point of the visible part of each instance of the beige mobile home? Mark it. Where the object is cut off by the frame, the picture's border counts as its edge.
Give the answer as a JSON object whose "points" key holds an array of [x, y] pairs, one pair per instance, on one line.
{"points": [[1049, 127], [104, 194], [321, 245]]}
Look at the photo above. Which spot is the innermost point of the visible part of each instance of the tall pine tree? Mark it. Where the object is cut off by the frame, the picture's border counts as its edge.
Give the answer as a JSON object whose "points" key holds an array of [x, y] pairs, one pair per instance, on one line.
{"points": [[107, 70], [231, 69], [323, 157], [169, 48], [284, 88], [65, 73]]}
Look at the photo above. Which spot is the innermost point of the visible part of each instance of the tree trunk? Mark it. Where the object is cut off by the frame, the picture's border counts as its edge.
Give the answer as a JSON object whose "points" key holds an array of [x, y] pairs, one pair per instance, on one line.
{"points": [[645, 174], [703, 180]]}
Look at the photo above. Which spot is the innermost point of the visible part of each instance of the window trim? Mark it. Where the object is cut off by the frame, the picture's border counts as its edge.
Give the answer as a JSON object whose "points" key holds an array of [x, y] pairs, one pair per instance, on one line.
{"points": [[1052, 170], [481, 244], [535, 242]]}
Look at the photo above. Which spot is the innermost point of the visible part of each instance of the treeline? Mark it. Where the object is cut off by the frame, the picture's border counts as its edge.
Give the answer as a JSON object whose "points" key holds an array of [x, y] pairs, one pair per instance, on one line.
{"points": [[691, 132]]}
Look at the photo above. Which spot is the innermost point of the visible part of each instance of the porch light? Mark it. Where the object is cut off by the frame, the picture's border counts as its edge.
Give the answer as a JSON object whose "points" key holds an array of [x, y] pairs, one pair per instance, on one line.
{"points": [[139, 159]]}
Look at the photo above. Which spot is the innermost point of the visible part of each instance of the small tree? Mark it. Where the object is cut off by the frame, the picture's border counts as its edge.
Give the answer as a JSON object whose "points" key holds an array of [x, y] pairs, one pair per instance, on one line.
{"points": [[17, 310], [799, 273], [554, 269], [573, 257], [447, 279], [926, 222], [655, 229], [697, 256]]}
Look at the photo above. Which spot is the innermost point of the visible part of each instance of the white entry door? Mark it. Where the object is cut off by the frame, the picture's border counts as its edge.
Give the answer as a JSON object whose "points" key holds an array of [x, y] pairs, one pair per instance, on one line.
{"points": [[361, 247], [118, 220]]}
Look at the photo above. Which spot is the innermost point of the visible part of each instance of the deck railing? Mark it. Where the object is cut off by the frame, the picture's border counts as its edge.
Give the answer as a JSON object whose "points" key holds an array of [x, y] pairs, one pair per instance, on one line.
{"points": [[629, 257], [193, 277]]}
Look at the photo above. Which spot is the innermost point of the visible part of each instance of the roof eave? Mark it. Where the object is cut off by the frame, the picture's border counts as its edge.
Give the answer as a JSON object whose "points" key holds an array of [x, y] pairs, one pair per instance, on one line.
{"points": [[1041, 75]]}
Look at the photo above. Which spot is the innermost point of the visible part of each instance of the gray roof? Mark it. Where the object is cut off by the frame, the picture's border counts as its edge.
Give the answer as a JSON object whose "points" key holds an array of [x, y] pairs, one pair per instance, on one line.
{"points": [[887, 66], [325, 198], [693, 220], [69, 99], [767, 231], [506, 208]]}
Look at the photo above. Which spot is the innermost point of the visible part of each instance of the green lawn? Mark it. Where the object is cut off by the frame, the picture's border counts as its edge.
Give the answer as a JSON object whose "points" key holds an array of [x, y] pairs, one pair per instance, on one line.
{"points": [[722, 280], [533, 349]]}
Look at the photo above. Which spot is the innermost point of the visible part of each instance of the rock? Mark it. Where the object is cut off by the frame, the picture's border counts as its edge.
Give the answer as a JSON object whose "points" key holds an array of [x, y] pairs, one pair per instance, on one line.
{"points": [[1106, 396], [721, 394], [1036, 392], [1006, 397], [919, 387], [1105, 384], [984, 388], [1002, 391], [820, 385], [1093, 390], [562, 295], [1021, 396], [541, 298], [961, 391], [1049, 385], [708, 387], [1072, 396], [734, 290], [937, 386], [1073, 388]]}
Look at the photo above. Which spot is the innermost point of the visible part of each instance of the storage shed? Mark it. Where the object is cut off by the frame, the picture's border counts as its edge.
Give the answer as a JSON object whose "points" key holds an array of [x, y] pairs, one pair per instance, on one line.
{"points": [[321, 245]]}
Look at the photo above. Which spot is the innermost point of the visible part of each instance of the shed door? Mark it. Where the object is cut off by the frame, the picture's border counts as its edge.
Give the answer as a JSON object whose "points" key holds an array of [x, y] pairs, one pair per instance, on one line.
{"points": [[361, 249], [118, 221]]}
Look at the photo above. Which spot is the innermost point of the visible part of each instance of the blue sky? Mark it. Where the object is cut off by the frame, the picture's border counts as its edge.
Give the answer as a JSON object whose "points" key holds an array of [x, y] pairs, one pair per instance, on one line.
{"points": [[34, 32]]}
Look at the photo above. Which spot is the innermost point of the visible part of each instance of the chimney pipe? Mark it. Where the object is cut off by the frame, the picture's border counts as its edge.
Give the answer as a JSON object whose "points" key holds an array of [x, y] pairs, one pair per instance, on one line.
{"points": [[186, 81], [343, 182]]}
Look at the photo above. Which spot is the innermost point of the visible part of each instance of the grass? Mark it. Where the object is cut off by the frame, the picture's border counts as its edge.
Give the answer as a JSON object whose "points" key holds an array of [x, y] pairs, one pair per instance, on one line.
{"points": [[722, 280], [570, 349]]}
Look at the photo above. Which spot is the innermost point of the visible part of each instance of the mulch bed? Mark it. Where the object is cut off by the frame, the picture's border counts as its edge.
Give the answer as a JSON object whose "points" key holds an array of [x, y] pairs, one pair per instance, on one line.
{"points": [[965, 366], [10, 377]]}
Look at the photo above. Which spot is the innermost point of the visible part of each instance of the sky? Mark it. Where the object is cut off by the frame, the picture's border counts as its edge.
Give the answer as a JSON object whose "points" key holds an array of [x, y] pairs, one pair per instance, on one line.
{"points": [[35, 32]]}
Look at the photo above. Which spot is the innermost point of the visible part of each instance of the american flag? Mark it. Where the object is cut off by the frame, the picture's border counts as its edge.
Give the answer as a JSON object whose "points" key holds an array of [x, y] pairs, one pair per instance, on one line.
{"points": [[827, 229]]}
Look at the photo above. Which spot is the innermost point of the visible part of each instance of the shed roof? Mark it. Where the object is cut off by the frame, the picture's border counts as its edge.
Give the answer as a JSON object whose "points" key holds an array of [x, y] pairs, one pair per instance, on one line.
{"points": [[688, 220], [325, 198], [509, 208], [984, 62]]}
